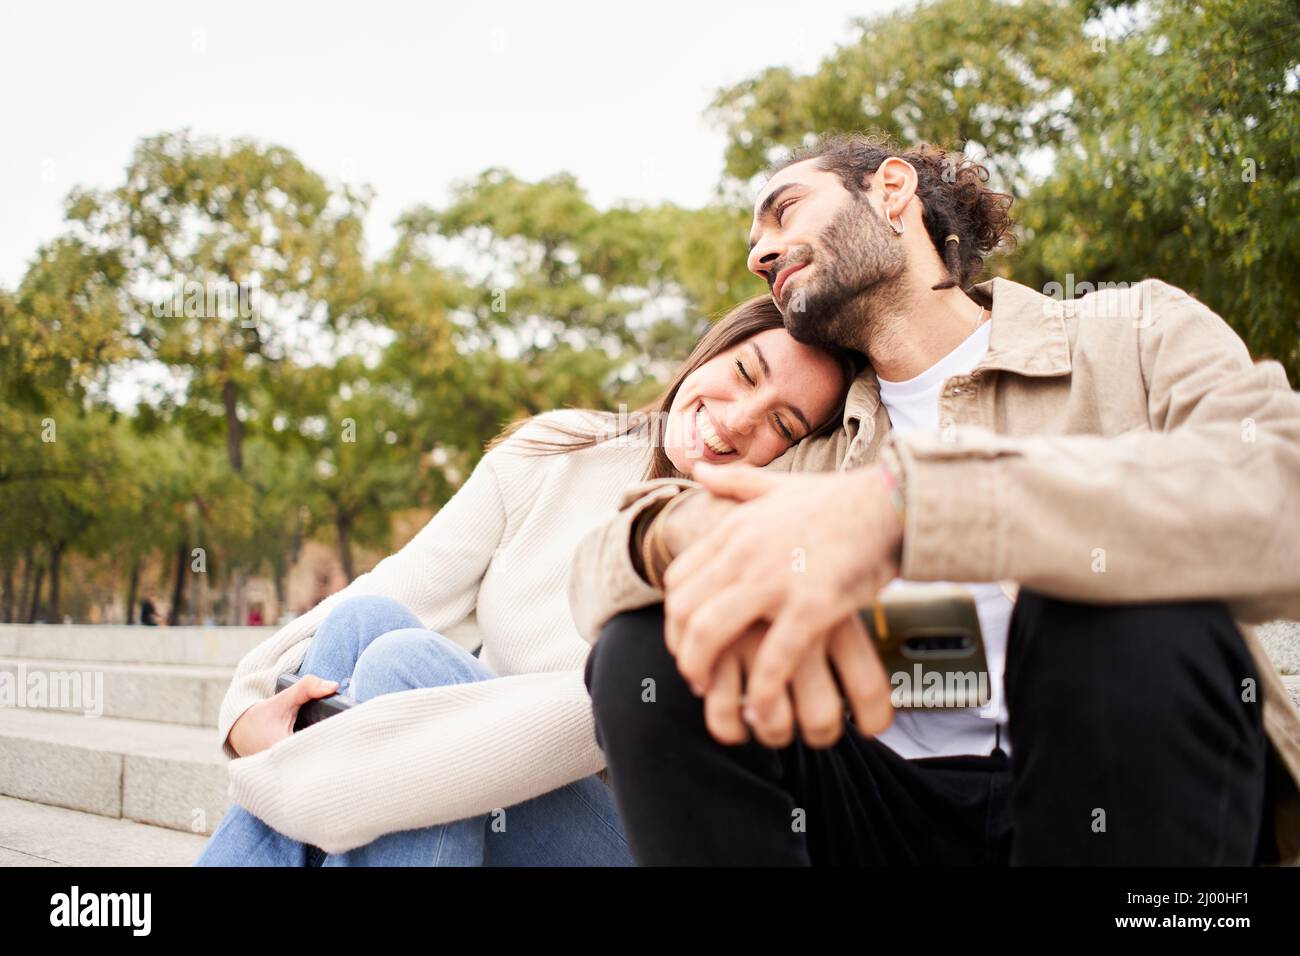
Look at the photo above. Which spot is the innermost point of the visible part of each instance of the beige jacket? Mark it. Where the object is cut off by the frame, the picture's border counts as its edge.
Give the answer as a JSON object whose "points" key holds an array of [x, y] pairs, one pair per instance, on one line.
{"points": [[1121, 447]]}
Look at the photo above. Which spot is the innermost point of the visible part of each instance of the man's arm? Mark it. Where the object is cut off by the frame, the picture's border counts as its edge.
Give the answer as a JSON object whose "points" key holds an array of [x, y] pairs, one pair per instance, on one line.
{"points": [[603, 579], [608, 576], [1205, 504], [609, 573]]}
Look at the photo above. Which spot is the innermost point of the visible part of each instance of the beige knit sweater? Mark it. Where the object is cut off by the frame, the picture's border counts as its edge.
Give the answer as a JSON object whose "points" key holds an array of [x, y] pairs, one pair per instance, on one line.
{"points": [[503, 545]]}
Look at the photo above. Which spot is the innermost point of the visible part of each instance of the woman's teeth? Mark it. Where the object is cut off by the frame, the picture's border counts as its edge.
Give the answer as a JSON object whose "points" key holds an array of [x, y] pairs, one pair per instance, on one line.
{"points": [[705, 428]]}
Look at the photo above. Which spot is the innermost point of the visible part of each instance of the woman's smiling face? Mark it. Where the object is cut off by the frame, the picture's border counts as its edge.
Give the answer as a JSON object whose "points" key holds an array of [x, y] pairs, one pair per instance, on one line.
{"points": [[752, 402]]}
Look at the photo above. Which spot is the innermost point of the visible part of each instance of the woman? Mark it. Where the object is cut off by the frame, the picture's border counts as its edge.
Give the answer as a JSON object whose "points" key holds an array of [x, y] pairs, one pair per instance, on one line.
{"points": [[491, 760]]}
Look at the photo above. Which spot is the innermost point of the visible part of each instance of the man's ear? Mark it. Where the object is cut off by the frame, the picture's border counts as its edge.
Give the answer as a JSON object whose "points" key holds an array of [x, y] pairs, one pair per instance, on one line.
{"points": [[898, 179]]}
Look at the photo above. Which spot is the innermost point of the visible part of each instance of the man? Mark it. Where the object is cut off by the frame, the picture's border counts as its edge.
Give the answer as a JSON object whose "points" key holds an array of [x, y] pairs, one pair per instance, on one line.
{"points": [[1118, 457]]}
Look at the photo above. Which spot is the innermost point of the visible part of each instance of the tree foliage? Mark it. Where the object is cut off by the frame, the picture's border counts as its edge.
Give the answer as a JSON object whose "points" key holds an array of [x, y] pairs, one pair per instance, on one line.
{"points": [[1140, 139], [141, 427]]}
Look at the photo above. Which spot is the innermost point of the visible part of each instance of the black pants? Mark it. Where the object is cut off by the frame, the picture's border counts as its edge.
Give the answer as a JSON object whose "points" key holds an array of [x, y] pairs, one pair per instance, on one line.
{"points": [[1130, 743]]}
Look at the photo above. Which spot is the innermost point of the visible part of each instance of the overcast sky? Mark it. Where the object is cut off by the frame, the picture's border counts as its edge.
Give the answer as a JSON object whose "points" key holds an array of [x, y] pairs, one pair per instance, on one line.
{"points": [[405, 96]]}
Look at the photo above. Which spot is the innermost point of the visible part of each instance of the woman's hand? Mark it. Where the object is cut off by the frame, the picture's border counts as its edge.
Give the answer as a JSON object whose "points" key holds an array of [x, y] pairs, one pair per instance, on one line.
{"points": [[271, 720]]}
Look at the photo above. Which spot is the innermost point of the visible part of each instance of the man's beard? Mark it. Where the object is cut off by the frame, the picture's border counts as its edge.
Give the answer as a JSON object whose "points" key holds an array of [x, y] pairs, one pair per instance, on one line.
{"points": [[856, 278]]}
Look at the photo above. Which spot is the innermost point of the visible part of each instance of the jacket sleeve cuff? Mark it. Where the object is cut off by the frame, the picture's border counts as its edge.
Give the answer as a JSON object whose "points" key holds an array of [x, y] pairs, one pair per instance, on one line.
{"points": [[603, 581], [954, 507]]}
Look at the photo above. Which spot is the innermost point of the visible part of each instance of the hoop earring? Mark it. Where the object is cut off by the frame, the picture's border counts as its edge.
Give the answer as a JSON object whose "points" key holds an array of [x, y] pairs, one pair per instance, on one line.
{"points": [[898, 230]]}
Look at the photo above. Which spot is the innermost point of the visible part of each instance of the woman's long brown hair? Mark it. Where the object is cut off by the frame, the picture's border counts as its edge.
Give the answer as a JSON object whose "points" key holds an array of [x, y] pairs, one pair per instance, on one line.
{"points": [[743, 322]]}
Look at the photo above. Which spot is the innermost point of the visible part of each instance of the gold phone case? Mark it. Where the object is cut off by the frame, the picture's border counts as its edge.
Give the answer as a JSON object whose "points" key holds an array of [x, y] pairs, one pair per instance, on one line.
{"points": [[929, 640]]}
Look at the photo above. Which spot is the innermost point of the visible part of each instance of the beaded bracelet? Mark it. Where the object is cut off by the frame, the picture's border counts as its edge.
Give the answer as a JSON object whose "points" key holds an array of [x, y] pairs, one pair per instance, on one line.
{"points": [[891, 468], [655, 534]]}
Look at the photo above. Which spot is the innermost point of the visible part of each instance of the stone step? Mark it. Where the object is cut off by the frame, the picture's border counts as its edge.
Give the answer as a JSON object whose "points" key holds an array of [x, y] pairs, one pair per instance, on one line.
{"points": [[168, 693], [202, 646], [172, 675], [36, 834], [168, 775], [1281, 639], [135, 644], [1293, 685]]}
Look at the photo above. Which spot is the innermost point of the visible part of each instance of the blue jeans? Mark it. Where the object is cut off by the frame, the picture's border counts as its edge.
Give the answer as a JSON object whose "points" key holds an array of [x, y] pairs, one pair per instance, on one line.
{"points": [[374, 646]]}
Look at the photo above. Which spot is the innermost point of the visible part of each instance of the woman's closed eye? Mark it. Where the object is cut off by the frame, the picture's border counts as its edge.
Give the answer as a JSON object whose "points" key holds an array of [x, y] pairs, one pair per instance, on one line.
{"points": [[785, 432], [744, 373], [777, 422]]}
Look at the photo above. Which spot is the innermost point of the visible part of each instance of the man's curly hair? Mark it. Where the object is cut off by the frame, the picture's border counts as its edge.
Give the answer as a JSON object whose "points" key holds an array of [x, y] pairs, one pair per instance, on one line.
{"points": [[955, 197]]}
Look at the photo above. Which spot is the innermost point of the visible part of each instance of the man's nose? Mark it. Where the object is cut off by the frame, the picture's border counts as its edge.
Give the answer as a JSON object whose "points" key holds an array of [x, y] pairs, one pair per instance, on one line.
{"points": [[762, 256]]}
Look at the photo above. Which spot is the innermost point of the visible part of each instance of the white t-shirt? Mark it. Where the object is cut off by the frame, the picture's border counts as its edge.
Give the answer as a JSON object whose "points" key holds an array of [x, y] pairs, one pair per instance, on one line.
{"points": [[934, 732]]}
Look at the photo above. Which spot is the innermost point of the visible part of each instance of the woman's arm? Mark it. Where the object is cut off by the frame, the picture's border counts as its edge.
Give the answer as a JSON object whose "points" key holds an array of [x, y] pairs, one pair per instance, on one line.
{"points": [[436, 575], [422, 757]]}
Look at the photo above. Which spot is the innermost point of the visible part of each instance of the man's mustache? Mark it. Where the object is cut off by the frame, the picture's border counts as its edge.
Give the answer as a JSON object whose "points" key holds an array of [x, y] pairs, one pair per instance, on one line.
{"points": [[796, 257]]}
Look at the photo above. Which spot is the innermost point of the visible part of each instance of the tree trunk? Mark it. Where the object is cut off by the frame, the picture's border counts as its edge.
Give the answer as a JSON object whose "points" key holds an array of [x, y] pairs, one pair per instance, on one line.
{"points": [[7, 608], [281, 572], [200, 598], [25, 593], [178, 586], [229, 606], [295, 542], [234, 427], [344, 525], [56, 565], [132, 591], [239, 603], [35, 609]]}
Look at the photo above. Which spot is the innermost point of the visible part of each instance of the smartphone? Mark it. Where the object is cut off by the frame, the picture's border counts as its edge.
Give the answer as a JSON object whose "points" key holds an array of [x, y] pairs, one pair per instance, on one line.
{"points": [[929, 640], [314, 711]]}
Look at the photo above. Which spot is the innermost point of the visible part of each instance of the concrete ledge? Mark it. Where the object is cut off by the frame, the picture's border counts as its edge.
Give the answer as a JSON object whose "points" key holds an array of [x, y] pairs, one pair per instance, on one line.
{"points": [[122, 644], [36, 835], [60, 774], [1293, 685], [1282, 641], [164, 774], [206, 646], [170, 693]]}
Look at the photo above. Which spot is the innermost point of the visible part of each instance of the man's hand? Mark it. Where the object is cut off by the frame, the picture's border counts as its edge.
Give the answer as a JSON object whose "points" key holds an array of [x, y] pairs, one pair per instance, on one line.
{"points": [[804, 552], [270, 721], [814, 702]]}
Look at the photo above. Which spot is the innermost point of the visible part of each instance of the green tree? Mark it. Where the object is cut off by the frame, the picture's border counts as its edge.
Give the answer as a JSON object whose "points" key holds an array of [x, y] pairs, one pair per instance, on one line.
{"points": [[241, 250], [1185, 168], [61, 332], [988, 74], [1142, 139]]}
